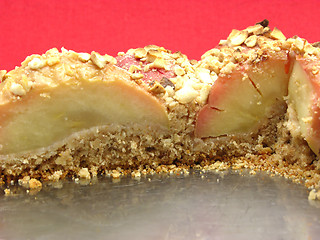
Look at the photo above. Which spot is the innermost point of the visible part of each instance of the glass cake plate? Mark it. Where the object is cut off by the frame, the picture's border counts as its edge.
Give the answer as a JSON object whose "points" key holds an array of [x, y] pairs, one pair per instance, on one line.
{"points": [[211, 205]]}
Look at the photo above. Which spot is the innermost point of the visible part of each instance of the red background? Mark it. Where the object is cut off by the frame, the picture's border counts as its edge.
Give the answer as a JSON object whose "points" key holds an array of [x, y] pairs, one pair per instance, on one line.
{"points": [[110, 26]]}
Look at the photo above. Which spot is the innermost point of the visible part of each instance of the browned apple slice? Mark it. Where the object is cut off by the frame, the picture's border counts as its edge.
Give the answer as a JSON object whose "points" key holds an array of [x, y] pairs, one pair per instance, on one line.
{"points": [[64, 100], [239, 101], [304, 95]]}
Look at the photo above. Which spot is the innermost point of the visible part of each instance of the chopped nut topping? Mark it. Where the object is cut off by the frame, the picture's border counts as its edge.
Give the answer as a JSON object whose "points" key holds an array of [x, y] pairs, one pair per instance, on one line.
{"points": [[256, 29], [166, 82], [17, 89], [251, 41], [84, 57], [140, 53], [52, 61], [264, 23], [34, 183], [277, 34], [156, 87], [152, 55], [158, 63], [179, 71], [98, 60], [110, 59], [134, 68], [316, 44], [186, 94], [136, 76], [84, 173], [2, 74], [237, 37], [36, 64], [299, 43]]}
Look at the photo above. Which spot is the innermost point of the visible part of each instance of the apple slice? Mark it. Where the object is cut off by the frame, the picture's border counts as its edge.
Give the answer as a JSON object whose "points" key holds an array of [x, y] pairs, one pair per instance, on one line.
{"points": [[304, 95], [46, 115], [238, 102]]}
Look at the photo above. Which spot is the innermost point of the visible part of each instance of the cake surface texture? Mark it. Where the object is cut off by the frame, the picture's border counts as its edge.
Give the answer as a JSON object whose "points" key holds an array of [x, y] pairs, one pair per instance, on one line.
{"points": [[251, 102]]}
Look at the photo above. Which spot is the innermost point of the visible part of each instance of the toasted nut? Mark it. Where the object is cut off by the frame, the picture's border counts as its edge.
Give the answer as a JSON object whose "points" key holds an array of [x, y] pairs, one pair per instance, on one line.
{"points": [[84, 57], [84, 173], [277, 34], [140, 53], [156, 87], [316, 44], [152, 55], [165, 82], [52, 61], [264, 23], [136, 76], [179, 71], [134, 68], [237, 37], [34, 183], [157, 63], [110, 59], [299, 43], [256, 29], [186, 94], [2, 74], [98, 60], [36, 63], [17, 89], [252, 40]]}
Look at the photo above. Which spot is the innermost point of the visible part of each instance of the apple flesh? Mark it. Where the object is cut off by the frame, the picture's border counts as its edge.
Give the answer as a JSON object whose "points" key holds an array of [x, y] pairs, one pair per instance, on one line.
{"points": [[47, 115], [238, 102], [304, 95]]}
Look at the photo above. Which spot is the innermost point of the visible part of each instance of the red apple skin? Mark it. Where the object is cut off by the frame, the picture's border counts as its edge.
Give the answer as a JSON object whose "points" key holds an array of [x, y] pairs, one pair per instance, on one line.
{"points": [[304, 93], [126, 60], [239, 101]]}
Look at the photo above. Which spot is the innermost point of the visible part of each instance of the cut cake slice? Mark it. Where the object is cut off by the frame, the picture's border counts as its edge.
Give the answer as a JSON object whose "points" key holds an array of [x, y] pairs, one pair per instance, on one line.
{"points": [[66, 111]]}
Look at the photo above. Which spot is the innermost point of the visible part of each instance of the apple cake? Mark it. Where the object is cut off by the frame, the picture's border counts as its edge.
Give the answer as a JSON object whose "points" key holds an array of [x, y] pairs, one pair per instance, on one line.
{"points": [[251, 102]]}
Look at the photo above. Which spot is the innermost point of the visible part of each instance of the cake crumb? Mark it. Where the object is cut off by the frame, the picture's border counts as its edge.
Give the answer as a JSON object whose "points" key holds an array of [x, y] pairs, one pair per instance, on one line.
{"points": [[7, 192], [34, 183], [314, 195], [115, 174], [84, 173]]}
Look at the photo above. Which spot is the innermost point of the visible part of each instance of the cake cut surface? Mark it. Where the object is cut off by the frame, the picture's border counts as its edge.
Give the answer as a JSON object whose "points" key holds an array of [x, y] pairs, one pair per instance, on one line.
{"points": [[250, 102]]}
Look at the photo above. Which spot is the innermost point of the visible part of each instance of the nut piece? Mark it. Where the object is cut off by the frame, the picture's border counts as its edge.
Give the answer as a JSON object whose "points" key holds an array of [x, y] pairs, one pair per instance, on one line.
{"points": [[84, 173], [52, 61], [158, 63], [186, 94], [36, 64], [264, 23], [34, 183], [136, 76], [256, 29], [277, 34], [156, 87], [140, 53], [110, 59], [134, 68], [84, 57], [98, 60], [299, 43], [252, 40], [2, 74], [17, 89], [237, 37], [179, 71]]}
